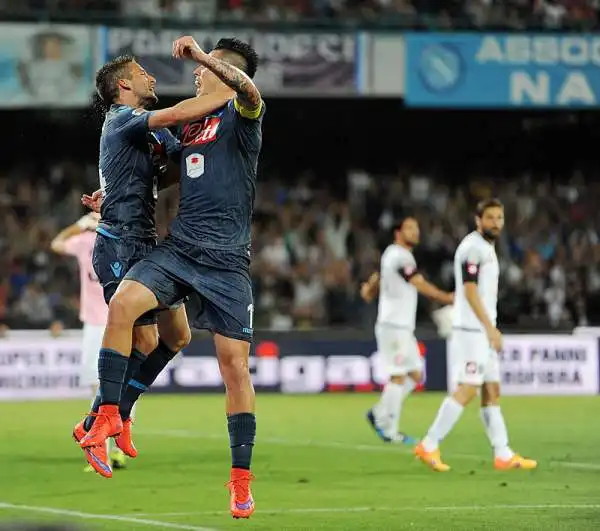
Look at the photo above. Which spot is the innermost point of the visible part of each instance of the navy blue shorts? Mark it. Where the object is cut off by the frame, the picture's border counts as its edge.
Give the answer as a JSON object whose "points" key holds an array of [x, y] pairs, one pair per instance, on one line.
{"points": [[216, 280], [113, 257]]}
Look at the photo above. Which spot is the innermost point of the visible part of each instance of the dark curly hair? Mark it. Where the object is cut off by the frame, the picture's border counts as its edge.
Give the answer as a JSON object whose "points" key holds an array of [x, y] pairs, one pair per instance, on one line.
{"points": [[241, 54]]}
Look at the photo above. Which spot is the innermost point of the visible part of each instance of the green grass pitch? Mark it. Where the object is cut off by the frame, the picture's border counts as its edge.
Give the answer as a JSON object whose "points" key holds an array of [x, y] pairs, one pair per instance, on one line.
{"points": [[318, 467]]}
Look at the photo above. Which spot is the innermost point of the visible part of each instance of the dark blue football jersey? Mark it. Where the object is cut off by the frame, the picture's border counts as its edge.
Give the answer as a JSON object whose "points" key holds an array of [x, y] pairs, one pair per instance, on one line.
{"points": [[130, 157], [218, 179]]}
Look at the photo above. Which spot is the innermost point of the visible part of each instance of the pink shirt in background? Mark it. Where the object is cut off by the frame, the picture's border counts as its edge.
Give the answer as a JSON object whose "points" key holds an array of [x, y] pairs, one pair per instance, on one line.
{"points": [[93, 309]]}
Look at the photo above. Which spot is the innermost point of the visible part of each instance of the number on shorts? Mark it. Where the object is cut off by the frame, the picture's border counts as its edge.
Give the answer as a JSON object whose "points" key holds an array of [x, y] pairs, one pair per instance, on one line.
{"points": [[251, 314]]}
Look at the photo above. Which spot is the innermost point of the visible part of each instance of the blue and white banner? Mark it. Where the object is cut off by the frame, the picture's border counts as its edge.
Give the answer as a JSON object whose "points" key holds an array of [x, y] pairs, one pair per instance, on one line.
{"points": [[497, 70]]}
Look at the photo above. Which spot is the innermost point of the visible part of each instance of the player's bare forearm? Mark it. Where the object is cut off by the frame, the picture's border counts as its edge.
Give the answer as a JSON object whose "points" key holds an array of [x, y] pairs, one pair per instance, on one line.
{"points": [[476, 305], [247, 93], [188, 110], [430, 291]]}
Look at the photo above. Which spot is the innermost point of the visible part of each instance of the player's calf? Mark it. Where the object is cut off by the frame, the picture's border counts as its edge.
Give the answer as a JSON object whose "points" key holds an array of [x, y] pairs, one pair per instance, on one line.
{"points": [[241, 421]]}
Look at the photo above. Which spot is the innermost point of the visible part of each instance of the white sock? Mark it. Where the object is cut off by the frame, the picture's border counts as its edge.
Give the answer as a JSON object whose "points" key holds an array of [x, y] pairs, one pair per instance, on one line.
{"points": [[408, 386], [388, 403], [495, 427], [393, 398], [395, 412], [133, 410], [448, 415]]}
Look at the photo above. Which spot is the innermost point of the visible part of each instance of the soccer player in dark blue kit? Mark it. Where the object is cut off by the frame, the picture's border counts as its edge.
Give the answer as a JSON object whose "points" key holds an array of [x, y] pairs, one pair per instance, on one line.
{"points": [[207, 252], [134, 148]]}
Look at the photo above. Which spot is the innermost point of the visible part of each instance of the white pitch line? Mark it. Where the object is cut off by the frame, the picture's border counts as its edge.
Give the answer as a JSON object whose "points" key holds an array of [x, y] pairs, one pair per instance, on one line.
{"points": [[343, 446], [449, 508], [90, 516]]}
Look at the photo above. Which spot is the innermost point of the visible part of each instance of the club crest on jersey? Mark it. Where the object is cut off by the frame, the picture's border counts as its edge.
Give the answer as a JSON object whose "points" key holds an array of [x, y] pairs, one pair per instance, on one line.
{"points": [[201, 132]]}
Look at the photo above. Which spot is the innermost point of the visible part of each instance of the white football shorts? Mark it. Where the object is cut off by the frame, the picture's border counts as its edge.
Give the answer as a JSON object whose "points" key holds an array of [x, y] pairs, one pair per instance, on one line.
{"points": [[398, 349], [472, 360]]}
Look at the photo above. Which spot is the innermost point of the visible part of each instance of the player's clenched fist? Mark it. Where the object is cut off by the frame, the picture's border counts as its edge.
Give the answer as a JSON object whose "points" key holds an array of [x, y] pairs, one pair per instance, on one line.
{"points": [[187, 48]]}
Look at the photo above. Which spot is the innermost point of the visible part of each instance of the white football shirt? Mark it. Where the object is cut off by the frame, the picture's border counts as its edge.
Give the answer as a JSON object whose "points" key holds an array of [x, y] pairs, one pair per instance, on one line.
{"points": [[397, 296], [475, 258]]}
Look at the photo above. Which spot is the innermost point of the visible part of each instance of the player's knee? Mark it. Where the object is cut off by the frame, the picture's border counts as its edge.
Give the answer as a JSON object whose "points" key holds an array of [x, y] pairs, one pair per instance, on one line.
{"points": [[465, 393], [145, 338], [233, 361], [490, 394], [416, 376], [119, 312], [178, 340]]}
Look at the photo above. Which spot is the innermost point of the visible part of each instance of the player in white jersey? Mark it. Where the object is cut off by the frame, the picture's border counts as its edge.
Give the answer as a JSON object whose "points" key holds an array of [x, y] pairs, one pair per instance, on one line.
{"points": [[475, 343], [399, 283], [78, 240]]}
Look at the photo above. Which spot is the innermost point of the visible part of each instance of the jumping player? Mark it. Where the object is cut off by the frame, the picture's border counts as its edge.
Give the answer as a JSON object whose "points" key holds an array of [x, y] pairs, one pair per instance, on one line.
{"points": [[399, 283], [134, 150], [78, 240], [207, 253], [475, 343]]}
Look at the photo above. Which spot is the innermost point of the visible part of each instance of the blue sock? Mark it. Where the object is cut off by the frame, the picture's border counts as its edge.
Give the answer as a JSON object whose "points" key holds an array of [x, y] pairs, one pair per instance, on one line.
{"points": [[111, 371], [242, 431], [136, 359], [144, 377]]}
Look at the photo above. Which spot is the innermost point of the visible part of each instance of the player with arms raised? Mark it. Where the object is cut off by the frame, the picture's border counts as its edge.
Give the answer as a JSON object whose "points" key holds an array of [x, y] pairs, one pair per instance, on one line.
{"points": [[475, 343], [135, 147], [207, 252], [399, 283]]}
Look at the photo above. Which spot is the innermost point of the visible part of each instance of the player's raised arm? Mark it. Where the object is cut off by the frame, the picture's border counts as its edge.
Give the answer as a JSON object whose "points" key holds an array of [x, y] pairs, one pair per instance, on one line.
{"points": [[188, 110], [59, 244], [237, 57]]}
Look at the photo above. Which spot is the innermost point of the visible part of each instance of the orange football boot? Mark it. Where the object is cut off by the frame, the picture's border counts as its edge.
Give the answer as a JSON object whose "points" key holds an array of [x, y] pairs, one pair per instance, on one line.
{"points": [[241, 502], [108, 423], [98, 459], [516, 461], [123, 440], [431, 459], [79, 430]]}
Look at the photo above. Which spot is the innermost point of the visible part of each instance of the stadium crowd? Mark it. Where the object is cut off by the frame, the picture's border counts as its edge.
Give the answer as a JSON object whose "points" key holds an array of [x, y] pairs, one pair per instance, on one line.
{"points": [[311, 250], [494, 14]]}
